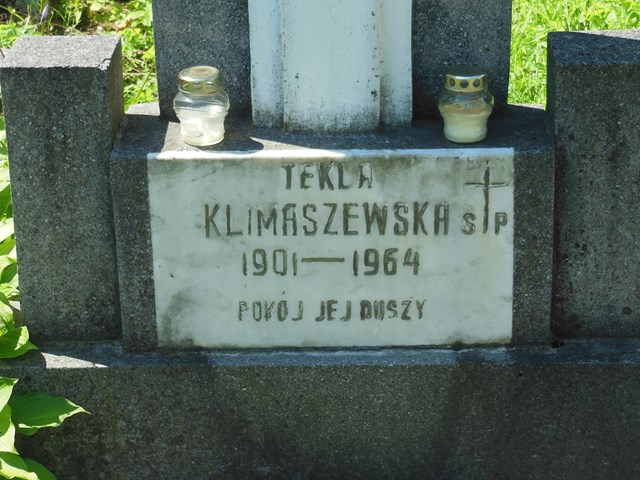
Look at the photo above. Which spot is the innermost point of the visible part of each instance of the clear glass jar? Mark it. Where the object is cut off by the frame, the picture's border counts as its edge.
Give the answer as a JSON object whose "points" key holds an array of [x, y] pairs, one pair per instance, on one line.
{"points": [[465, 105], [201, 105]]}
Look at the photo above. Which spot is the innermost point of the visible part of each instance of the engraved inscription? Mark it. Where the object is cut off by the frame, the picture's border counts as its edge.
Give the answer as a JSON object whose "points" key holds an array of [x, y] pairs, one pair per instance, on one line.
{"points": [[368, 251]]}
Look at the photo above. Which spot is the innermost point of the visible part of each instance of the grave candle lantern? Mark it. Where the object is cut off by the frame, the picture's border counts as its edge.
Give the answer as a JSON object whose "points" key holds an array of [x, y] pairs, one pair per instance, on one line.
{"points": [[201, 105], [465, 105]]}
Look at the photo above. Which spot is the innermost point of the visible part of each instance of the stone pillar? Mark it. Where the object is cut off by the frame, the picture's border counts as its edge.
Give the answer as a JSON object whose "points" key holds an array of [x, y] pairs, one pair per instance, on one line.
{"points": [[63, 104], [222, 33], [594, 113], [330, 65]]}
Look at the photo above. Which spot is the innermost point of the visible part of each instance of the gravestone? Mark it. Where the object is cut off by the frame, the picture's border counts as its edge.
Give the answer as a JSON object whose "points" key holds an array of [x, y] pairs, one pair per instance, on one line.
{"points": [[598, 165], [59, 147], [217, 32], [294, 80], [333, 248], [468, 387], [287, 241]]}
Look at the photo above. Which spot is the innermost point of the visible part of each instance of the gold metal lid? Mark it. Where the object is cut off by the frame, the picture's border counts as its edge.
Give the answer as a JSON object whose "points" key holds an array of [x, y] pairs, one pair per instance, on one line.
{"points": [[200, 80], [465, 79]]}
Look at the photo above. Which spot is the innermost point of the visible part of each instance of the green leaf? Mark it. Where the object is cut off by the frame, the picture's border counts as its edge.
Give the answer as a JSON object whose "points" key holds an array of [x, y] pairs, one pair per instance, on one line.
{"points": [[12, 466], [15, 342], [5, 261], [7, 246], [6, 314], [4, 300], [8, 268], [5, 193], [10, 290], [6, 321], [612, 19], [149, 53], [42, 472], [7, 431], [4, 174], [33, 411], [96, 7], [6, 229], [6, 388]]}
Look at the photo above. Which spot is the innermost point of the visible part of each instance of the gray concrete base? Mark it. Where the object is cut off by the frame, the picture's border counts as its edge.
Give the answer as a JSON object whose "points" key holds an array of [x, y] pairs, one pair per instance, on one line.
{"points": [[520, 413], [518, 127]]}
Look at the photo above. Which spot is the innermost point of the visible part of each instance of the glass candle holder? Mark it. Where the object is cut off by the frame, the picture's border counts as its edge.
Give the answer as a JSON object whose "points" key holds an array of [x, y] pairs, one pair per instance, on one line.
{"points": [[465, 105], [201, 106]]}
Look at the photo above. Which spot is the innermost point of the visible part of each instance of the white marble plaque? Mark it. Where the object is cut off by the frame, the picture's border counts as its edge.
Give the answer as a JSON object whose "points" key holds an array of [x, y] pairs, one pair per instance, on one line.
{"points": [[308, 248]]}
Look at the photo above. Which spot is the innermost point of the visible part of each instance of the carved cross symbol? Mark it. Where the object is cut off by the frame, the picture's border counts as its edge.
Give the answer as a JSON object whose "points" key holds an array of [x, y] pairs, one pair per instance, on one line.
{"points": [[486, 186]]}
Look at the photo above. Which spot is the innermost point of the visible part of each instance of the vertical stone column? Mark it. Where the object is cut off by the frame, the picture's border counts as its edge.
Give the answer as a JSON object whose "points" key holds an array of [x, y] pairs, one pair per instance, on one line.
{"points": [[594, 113], [63, 104], [330, 65], [395, 43]]}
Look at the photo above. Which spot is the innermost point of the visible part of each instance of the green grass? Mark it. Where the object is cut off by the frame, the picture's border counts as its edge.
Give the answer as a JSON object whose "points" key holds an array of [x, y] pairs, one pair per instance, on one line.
{"points": [[534, 19]]}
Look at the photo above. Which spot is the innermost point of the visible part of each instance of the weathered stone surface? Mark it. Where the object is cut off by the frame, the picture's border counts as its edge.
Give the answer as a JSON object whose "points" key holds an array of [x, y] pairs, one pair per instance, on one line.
{"points": [[519, 128], [63, 104], [445, 34], [477, 414], [317, 248], [360, 75], [203, 32], [448, 34], [131, 214], [595, 117]]}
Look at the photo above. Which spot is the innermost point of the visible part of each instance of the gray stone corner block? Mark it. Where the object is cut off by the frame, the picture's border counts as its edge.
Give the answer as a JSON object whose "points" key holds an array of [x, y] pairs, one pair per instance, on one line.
{"points": [[594, 114], [444, 35], [87, 51], [63, 104]]}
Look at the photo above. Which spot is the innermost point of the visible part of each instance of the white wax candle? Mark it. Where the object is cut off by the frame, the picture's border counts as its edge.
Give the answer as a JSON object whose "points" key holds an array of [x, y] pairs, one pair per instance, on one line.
{"points": [[465, 126]]}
